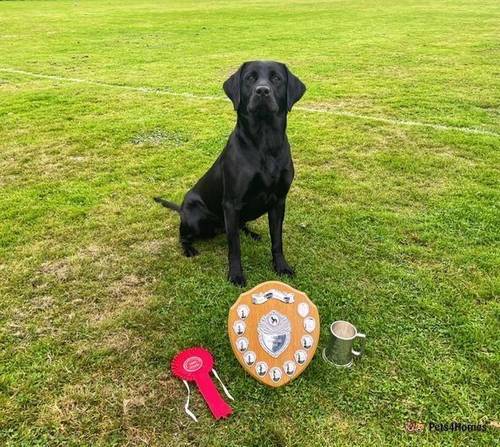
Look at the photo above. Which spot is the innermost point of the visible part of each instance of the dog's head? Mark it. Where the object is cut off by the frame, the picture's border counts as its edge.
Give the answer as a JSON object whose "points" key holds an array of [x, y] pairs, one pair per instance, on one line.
{"points": [[263, 88]]}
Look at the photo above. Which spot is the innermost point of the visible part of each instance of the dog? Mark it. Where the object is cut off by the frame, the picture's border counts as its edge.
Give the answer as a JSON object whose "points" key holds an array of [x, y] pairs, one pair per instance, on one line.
{"points": [[253, 173]]}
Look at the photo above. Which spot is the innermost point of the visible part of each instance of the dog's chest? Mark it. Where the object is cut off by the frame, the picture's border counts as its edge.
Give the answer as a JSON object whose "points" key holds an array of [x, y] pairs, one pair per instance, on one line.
{"points": [[270, 180], [268, 183], [270, 172]]}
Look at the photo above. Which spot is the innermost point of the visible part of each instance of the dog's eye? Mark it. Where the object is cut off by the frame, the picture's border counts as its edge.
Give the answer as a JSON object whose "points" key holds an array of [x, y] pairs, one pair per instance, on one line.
{"points": [[250, 78], [275, 78]]}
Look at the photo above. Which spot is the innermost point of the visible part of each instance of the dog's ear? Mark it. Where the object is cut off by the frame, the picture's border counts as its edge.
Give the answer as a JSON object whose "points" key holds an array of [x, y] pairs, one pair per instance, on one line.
{"points": [[232, 87], [295, 89]]}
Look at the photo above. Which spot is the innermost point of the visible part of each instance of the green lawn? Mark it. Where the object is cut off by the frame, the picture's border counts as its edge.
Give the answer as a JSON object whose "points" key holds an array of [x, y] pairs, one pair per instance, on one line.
{"points": [[393, 218]]}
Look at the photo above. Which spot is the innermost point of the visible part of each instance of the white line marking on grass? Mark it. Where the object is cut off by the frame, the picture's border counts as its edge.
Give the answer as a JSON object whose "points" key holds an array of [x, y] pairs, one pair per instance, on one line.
{"points": [[399, 122], [119, 86], [310, 109]]}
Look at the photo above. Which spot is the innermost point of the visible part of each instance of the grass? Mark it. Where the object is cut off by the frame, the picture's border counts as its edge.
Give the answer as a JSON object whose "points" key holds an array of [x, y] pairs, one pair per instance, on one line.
{"points": [[393, 227]]}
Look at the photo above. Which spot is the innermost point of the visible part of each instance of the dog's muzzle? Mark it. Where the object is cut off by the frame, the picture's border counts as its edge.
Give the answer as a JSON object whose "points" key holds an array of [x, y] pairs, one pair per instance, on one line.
{"points": [[262, 100]]}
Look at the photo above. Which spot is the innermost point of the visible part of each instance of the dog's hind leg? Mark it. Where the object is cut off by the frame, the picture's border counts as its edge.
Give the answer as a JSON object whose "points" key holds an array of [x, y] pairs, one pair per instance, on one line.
{"points": [[252, 234], [187, 238]]}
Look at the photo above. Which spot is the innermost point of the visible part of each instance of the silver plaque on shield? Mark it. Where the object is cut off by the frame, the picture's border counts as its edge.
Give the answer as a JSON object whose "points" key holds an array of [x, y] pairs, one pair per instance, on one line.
{"points": [[274, 331]]}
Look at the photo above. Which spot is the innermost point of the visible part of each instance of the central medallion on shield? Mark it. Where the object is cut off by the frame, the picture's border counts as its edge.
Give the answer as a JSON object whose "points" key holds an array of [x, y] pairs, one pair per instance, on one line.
{"points": [[274, 331]]}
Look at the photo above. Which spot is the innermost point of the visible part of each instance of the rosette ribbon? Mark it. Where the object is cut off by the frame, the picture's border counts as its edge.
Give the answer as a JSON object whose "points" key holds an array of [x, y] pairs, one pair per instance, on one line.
{"points": [[196, 364]]}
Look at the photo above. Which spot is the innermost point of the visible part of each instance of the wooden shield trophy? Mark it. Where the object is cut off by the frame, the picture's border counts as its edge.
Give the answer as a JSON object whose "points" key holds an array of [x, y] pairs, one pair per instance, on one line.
{"points": [[274, 331]]}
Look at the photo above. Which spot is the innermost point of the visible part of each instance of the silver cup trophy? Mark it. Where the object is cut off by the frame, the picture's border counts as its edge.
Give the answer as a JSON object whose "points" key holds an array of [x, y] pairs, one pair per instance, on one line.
{"points": [[340, 351]]}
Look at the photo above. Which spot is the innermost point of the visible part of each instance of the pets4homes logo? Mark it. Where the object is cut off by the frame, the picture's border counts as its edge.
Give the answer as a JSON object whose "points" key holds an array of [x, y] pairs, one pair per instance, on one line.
{"points": [[419, 427]]}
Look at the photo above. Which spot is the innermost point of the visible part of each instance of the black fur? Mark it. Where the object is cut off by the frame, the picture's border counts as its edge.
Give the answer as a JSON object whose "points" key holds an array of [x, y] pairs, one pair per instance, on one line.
{"points": [[167, 204], [253, 173]]}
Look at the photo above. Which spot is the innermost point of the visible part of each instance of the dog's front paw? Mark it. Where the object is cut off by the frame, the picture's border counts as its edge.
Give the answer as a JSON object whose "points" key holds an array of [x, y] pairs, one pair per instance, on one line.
{"points": [[282, 268], [190, 251], [238, 279]]}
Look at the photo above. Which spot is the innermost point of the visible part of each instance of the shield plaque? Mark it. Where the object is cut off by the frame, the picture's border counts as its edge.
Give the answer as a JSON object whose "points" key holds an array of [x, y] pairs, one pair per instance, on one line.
{"points": [[274, 331]]}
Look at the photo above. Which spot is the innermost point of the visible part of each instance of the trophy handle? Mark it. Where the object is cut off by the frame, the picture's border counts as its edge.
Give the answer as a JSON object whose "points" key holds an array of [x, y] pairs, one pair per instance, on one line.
{"points": [[362, 350]]}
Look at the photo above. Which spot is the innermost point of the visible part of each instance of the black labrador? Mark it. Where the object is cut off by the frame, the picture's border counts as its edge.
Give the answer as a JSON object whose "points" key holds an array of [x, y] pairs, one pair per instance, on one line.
{"points": [[253, 173]]}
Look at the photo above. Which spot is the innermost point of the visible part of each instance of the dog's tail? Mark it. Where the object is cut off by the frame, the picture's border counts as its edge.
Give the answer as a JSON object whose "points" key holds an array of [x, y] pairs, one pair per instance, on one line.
{"points": [[167, 204]]}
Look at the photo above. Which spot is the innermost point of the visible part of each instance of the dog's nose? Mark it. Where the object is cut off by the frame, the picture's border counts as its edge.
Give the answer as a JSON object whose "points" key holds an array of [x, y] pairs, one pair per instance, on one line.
{"points": [[262, 90]]}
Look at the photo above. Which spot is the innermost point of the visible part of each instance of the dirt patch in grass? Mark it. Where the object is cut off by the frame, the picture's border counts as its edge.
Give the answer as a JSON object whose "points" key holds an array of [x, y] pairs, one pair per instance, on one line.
{"points": [[155, 246], [80, 405], [59, 269], [127, 287], [158, 137], [129, 292]]}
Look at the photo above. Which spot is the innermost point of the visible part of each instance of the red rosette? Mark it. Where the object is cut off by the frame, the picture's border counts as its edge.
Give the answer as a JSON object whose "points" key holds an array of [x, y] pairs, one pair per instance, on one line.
{"points": [[190, 363], [195, 364]]}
